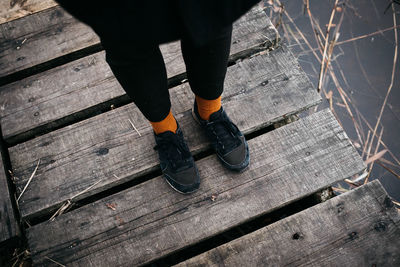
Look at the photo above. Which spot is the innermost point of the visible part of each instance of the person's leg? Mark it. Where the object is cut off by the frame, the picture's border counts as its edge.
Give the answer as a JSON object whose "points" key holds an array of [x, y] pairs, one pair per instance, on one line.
{"points": [[141, 72], [206, 69]]}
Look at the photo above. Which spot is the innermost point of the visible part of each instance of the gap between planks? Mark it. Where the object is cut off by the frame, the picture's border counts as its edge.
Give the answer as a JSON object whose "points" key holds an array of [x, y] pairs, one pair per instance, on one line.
{"points": [[75, 157], [152, 221], [358, 228]]}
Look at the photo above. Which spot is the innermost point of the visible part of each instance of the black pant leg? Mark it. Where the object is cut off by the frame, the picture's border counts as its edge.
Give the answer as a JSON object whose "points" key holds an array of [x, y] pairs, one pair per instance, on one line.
{"points": [[141, 72], [206, 65]]}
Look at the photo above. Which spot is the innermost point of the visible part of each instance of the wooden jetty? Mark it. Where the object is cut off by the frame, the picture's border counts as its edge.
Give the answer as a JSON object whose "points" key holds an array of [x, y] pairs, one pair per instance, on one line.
{"points": [[84, 188]]}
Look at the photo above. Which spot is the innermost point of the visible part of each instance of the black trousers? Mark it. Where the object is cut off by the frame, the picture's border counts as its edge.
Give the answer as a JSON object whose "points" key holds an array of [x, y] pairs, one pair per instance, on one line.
{"points": [[140, 70]]}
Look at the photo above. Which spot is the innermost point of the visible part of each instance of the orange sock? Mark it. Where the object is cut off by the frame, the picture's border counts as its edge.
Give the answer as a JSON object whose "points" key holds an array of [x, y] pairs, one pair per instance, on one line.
{"points": [[167, 124], [207, 107]]}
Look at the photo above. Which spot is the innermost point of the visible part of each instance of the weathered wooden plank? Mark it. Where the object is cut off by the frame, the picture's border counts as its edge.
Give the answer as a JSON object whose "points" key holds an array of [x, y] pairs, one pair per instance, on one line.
{"points": [[15, 9], [8, 223], [52, 33], [40, 37], [258, 91], [52, 95], [358, 228], [150, 220]]}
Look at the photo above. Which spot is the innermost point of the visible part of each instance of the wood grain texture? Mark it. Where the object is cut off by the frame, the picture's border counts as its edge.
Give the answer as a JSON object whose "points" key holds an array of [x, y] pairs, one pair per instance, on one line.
{"points": [[57, 93], [53, 33], [151, 220], [40, 37], [8, 224], [15, 9], [358, 228], [258, 92]]}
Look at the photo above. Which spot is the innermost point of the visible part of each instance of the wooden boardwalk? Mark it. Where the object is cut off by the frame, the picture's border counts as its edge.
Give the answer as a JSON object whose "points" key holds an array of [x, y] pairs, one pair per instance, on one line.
{"points": [[92, 193]]}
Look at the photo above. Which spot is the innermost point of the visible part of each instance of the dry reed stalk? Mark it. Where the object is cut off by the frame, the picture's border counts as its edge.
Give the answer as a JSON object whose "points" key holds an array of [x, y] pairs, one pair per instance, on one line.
{"points": [[365, 144], [353, 183], [367, 35], [332, 44], [396, 203], [358, 37], [382, 143], [360, 117], [357, 179], [326, 46], [383, 160], [360, 124], [376, 156], [304, 38], [316, 35], [300, 33], [311, 49], [357, 125], [387, 168], [343, 96], [330, 52], [29, 180], [338, 189], [392, 78]]}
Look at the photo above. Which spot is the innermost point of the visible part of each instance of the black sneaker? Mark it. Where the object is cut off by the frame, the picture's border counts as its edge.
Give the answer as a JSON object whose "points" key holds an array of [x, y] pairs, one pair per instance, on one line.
{"points": [[226, 139], [176, 162]]}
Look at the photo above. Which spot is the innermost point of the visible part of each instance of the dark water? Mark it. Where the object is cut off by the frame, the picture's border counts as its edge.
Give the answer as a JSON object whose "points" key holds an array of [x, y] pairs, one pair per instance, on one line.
{"points": [[363, 68]]}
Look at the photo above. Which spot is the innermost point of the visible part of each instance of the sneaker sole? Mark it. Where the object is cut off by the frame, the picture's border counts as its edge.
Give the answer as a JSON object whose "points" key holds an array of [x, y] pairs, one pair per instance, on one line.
{"points": [[180, 192], [177, 190]]}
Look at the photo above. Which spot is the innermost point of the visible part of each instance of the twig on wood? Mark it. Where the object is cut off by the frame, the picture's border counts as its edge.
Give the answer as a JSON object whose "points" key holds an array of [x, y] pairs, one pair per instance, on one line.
{"points": [[111, 206], [59, 264], [65, 206], [134, 127], [68, 203], [29, 180]]}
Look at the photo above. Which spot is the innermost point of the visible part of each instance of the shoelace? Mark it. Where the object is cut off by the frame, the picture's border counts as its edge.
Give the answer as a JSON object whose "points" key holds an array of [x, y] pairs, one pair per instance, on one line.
{"points": [[224, 133], [178, 154]]}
